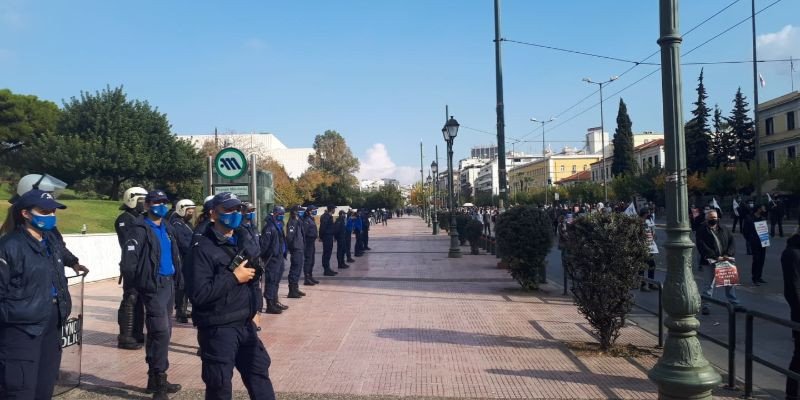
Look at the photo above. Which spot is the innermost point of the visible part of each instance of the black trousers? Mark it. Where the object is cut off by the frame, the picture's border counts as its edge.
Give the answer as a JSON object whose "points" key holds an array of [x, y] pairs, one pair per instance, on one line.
{"points": [[365, 239], [736, 220], [341, 250], [157, 312], [348, 245], [791, 384], [779, 223], [759, 253], [309, 256], [225, 347], [359, 249], [29, 365], [327, 252]]}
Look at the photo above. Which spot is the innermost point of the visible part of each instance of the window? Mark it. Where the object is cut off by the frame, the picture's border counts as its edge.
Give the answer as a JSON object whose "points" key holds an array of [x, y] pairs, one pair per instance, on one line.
{"points": [[562, 168], [574, 169], [790, 120], [656, 162], [770, 126], [791, 152], [771, 160], [584, 167]]}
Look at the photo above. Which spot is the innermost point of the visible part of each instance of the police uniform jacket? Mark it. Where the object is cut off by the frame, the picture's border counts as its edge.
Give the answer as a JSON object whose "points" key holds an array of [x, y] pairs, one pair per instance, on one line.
{"points": [[309, 228], [30, 271], [183, 235], [340, 228], [365, 222], [218, 299], [247, 236], [123, 223], [141, 256], [294, 236], [69, 258], [326, 229], [273, 244]]}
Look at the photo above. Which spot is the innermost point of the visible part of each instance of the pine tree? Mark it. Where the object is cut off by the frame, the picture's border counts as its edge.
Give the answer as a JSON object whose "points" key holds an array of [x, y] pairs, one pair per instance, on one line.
{"points": [[624, 160], [697, 132], [723, 142], [715, 147], [742, 129]]}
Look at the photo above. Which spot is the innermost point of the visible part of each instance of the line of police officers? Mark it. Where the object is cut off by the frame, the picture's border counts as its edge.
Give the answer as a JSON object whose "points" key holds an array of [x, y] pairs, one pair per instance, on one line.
{"points": [[217, 266]]}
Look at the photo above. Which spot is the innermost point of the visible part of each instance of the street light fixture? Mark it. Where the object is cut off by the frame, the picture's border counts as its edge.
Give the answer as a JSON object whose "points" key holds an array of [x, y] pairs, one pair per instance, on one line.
{"points": [[544, 155], [449, 133], [427, 200], [603, 131], [435, 170]]}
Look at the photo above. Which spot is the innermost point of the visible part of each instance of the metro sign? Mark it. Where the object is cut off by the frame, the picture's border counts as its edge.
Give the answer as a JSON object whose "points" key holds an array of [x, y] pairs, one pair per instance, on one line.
{"points": [[230, 163]]}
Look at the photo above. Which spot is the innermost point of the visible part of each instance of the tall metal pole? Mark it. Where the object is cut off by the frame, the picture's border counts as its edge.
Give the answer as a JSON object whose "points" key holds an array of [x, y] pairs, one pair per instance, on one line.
{"points": [[421, 180], [435, 190], [603, 144], [455, 251], [682, 372], [501, 124], [755, 106], [546, 169]]}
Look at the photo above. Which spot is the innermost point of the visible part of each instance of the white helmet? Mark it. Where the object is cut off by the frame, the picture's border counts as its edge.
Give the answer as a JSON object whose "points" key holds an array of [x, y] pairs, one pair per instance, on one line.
{"points": [[207, 202], [45, 183], [182, 205], [132, 196]]}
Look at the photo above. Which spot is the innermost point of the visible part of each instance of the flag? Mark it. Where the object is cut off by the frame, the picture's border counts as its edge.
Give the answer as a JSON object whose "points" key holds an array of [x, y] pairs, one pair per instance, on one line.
{"points": [[735, 207], [631, 210], [761, 79], [715, 204]]}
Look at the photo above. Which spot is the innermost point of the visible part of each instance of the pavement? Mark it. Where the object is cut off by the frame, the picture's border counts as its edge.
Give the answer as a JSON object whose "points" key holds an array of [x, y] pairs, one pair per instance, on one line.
{"points": [[405, 321]]}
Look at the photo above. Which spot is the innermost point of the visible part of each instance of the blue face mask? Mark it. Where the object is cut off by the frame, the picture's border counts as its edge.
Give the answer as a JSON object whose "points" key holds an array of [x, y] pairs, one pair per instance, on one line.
{"points": [[301, 214], [43, 222], [231, 220], [251, 216], [314, 213], [159, 210], [279, 218]]}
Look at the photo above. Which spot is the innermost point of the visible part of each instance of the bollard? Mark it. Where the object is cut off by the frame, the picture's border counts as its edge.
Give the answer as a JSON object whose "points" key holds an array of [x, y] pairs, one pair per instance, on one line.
{"points": [[731, 346], [83, 229], [748, 357]]}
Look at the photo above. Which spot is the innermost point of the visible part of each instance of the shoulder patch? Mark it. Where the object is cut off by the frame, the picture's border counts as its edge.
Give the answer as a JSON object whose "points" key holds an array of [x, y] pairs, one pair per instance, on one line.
{"points": [[121, 224]]}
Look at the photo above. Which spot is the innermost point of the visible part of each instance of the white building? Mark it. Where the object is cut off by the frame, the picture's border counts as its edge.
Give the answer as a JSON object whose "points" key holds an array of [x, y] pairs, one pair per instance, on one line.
{"points": [[295, 161], [488, 180], [647, 155], [468, 169], [375, 185]]}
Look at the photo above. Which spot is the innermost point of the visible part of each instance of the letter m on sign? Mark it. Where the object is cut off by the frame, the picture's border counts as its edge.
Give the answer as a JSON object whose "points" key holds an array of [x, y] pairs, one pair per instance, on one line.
{"points": [[230, 164]]}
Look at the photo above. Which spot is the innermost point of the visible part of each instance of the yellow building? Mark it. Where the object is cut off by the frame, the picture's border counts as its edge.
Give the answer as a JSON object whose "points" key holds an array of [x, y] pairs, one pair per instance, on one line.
{"points": [[778, 129], [555, 168]]}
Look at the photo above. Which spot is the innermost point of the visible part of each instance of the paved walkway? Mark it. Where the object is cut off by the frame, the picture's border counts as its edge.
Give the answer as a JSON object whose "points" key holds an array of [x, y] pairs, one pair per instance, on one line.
{"points": [[405, 320]]}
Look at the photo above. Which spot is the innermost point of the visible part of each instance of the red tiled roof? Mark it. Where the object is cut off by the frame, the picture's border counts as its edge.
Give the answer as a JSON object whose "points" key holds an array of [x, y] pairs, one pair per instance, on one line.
{"points": [[652, 143], [580, 176]]}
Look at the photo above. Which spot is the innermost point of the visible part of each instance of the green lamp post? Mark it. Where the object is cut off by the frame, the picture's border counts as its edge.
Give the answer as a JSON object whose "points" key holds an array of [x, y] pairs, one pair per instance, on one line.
{"points": [[682, 372]]}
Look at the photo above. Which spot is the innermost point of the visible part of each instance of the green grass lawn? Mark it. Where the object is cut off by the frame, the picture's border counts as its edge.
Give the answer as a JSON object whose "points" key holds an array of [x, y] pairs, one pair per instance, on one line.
{"points": [[98, 215]]}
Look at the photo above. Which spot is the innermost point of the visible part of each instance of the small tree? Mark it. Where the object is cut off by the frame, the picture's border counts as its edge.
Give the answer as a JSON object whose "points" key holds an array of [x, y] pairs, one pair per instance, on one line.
{"points": [[624, 160], [742, 129], [524, 237], [605, 254], [473, 234]]}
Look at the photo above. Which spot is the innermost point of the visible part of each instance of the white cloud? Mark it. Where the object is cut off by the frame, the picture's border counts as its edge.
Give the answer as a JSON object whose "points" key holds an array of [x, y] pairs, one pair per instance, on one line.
{"points": [[255, 44], [378, 164], [781, 44]]}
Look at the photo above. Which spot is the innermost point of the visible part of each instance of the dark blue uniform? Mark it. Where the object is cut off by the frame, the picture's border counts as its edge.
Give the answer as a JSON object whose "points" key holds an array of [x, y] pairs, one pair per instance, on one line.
{"points": [[295, 242], [34, 304], [273, 254], [130, 315], [223, 313], [326, 233], [309, 240], [144, 266], [183, 235], [340, 233], [357, 226], [365, 231]]}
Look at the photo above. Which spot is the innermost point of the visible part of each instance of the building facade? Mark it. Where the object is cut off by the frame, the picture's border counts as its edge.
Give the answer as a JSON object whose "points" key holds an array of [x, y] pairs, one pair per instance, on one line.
{"points": [[778, 132], [551, 170], [487, 152], [648, 155]]}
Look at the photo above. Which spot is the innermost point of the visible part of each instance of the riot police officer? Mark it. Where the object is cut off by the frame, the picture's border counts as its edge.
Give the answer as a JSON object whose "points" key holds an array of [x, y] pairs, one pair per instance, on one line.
{"points": [[326, 235], [151, 261], [295, 242], [181, 222], [225, 296], [340, 233], [273, 255], [130, 316], [35, 302]]}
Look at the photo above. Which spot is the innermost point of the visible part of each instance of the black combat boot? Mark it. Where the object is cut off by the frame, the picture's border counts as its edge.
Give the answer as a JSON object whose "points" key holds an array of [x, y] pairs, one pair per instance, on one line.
{"points": [[309, 281], [343, 266], [311, 278], [158, 384], [294, 292], [281, 306], [330, 272], [272, 308]]}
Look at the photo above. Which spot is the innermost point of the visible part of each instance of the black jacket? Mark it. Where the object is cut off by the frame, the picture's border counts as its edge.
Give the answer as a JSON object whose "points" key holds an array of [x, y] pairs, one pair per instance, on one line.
{"points": [[183, 235], [326, 229], [141, 256], [295, 240], [273, 245], [790, 263], [309, 228], [248, 237], [125, 222], [749, 229], [714, 245], [218, 299], [340, 228], [29, 270]]}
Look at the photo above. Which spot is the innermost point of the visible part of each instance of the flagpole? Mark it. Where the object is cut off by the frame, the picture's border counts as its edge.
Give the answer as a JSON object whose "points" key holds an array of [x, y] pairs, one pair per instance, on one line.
{"points": [[791, 70], [755, 105]]}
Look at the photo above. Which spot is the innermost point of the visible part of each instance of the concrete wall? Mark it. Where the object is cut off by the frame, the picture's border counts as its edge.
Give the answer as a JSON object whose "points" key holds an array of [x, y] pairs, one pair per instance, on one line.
{"points": [[98, 252]]}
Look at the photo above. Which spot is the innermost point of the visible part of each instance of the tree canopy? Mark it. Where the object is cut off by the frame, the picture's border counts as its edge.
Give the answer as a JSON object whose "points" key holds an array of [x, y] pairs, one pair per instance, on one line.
{"points": [[624, 160], [697, 132]]}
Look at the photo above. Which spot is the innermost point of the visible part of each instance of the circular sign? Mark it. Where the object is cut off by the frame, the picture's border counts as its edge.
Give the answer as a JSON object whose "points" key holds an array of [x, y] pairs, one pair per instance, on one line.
{"points": [[230, 163]]}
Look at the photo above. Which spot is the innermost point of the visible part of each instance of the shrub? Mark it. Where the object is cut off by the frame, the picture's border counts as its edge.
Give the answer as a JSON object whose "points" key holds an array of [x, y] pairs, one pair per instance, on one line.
{"points": [[461, 225], [604, 255], [444, 220], [474, 229], [524, 237]]}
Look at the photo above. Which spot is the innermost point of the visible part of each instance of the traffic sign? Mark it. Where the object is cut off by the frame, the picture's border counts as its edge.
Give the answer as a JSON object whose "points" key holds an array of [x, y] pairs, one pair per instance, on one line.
{"points": [[230, 163], [238, 190]]}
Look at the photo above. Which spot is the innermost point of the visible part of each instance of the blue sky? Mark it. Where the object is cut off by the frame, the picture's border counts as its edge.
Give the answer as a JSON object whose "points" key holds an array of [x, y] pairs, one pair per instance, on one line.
{"points": [[380, 71]]}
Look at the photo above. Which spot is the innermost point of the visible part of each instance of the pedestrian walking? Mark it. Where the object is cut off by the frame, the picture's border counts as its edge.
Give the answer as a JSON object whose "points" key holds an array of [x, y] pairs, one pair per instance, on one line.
{"points": [[295, 242], [36, 301], [650, 234], [224, 290], [759, 251], [273, 254], [151, 261], [327, 233], [130, 316], [181, 222], [790, 263], [715, 243]]}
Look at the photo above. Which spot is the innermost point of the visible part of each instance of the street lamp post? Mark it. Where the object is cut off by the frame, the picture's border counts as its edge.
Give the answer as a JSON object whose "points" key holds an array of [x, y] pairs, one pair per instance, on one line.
{"points": [[435, 170], [682, 372], [544, 156], [603, 131], [449, 132], [427, 200]]}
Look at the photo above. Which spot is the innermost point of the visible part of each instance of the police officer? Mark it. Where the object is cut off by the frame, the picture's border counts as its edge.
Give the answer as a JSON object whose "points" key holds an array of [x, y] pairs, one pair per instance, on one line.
{"points": [[151, 261], [181, 222], [273, 255], [357, 227], [349, 228], [225, 296], [130, 316], [35, 302], [340, 233], [326, 234], [365, 217], [296, 245], [203, 221]]}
